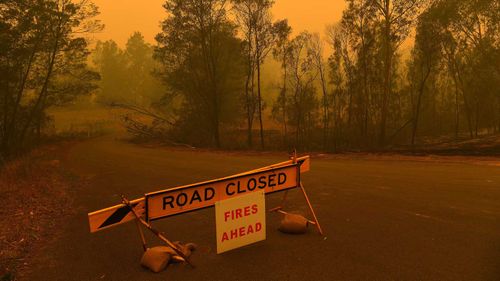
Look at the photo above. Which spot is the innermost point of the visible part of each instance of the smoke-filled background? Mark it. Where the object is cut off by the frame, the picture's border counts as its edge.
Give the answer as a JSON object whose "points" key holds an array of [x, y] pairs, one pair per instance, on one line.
{"points": [[252, 74]]}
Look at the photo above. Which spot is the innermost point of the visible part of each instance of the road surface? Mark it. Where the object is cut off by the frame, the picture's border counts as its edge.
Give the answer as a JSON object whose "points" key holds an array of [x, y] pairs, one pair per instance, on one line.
{"points": [[384, 220]]}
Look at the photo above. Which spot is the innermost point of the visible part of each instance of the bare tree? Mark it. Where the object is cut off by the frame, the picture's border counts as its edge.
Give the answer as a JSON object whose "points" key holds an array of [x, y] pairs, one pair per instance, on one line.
{"points": [[281, 53], [315, 51]]}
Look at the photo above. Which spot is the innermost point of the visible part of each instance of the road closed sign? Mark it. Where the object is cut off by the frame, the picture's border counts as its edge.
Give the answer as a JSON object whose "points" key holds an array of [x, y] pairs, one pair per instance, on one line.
{"points": [[240, 221], [183, 199]]}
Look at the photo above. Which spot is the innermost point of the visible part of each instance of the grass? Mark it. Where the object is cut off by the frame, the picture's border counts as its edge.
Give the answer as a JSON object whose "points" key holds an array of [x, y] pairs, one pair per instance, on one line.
{"points": [[84, 121]]}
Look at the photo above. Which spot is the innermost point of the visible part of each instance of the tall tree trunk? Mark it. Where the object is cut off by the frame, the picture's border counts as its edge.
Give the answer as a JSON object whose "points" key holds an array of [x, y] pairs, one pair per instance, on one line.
{"points": [[10, 125], [457, 112], [468, 114], [477, 117], [349, 109], [216, 122], [325, 105], [284, 98], [249, 102], [40, 102], [387, 74], [366, 99], [249, 116], [249, 94], [498, 114], [260, 105], [417, 109]]}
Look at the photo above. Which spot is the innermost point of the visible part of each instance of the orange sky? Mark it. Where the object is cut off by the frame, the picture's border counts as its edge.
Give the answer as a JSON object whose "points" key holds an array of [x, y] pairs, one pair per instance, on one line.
{"points": [[124, 17]]}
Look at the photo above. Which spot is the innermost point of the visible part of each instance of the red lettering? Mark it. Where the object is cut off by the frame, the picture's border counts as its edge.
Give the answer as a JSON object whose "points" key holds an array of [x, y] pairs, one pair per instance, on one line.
{"points": [[242, 231], [226, 215], [255, 208], [238, 213], [224, 237], [247, 211], [258, 227]]}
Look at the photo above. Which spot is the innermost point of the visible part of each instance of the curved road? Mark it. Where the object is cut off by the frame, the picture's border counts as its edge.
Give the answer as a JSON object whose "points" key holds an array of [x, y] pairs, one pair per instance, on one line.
{"points": [[384, 220]]}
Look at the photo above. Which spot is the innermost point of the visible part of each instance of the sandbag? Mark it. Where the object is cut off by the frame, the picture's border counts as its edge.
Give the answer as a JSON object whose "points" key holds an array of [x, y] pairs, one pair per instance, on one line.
{"points": [[156, 259], [293, 224]]}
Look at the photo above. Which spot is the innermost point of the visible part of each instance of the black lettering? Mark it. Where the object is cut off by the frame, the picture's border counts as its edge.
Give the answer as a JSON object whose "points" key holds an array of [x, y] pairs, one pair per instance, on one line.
{"points": [[272, 179], [281, 178], [167, 200], [262, 182], [212, 194], [239, 188], [227, 188], [253, 185], [196, 196], [182, 202]]}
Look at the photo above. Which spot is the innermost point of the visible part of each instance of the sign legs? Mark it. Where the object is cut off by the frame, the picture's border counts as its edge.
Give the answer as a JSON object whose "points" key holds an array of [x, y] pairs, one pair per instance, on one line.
{"points": [[315, 222], [141, 234], [156, 232], [311, 209]]}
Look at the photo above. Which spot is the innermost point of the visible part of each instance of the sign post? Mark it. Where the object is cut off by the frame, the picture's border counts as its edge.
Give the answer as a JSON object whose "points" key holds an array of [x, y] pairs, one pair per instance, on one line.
{"points": [[240, 221], [239, 202], [283, 201], [159, 234]]}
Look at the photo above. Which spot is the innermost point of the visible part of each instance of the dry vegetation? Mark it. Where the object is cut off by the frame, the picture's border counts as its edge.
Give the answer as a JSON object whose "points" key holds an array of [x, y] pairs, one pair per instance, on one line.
{"points": [[34, 195]]}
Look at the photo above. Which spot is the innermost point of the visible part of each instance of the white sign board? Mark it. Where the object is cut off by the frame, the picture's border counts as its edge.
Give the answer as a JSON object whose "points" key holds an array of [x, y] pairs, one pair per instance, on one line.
{"points": [[240, 221]]}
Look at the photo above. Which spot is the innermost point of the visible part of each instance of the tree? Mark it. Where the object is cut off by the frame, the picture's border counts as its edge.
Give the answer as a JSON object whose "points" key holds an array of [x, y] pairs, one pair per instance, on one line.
{"points": [[359, 21], [201, 63], [254, 17], [244, 11], [396, 18], [469, 42], [315, 51], [112, 66], [335, 34], [474, 27], [303, 102], [425, 58], [143, 86], [43, 44], [263, 37], [127, 76], [343, 68], [281, 52]]}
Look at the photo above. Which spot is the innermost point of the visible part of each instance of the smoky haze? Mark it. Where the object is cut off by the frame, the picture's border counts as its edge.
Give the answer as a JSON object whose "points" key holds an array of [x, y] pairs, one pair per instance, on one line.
{"points": [[253, 74], [145, 16]]}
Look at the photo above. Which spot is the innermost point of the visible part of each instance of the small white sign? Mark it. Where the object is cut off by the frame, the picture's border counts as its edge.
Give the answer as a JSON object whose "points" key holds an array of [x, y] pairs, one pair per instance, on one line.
{"points": [[240, 221]]}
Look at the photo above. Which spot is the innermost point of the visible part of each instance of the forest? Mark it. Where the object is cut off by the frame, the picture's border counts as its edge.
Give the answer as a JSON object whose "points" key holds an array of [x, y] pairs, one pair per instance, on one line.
{"points": [[227, 74]]}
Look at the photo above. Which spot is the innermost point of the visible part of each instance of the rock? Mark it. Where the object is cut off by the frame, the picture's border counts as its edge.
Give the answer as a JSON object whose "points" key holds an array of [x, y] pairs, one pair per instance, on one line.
{"points": [[156, 259], [293, 224]]}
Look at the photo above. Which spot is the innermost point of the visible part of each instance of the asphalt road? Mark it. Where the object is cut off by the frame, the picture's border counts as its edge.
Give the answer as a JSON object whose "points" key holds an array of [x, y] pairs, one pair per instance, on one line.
{"points": [[384, 220]]}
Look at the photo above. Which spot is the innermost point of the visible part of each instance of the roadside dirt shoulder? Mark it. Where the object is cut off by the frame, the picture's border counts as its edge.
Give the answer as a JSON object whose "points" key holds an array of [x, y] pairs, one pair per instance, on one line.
{"points": [[35, 195]]}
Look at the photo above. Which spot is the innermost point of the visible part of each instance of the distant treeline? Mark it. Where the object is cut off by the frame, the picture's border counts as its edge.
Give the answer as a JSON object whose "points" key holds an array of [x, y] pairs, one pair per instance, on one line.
{"points": [[127, 75], [362, 92], [207, 80]]}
